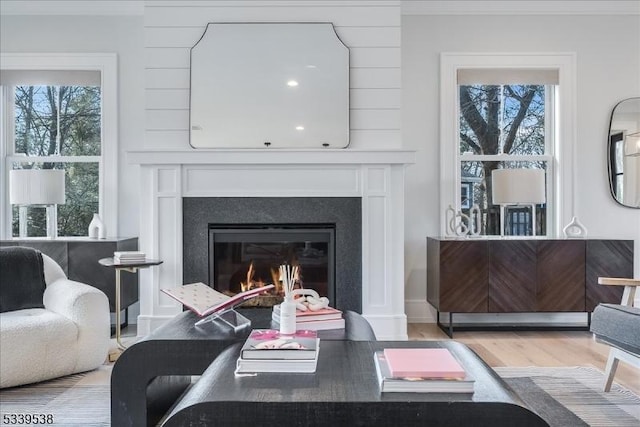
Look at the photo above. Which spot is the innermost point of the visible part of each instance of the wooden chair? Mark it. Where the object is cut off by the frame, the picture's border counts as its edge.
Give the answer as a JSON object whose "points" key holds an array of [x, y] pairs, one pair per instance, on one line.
{"points": [[618, 325]]}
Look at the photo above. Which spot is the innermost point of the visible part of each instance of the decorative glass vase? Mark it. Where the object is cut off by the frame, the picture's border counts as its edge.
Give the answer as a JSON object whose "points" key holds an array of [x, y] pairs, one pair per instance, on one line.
{"points": [[97, 229], [288, 316]]}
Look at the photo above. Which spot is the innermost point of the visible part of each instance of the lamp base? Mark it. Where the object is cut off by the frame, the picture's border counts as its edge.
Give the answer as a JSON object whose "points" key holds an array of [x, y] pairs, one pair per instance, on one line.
{"points": [[51, 218]]}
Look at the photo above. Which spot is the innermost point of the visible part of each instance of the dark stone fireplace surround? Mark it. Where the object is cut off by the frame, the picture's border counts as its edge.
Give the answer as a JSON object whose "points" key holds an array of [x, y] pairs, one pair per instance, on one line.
{"points": [[344, 212]]}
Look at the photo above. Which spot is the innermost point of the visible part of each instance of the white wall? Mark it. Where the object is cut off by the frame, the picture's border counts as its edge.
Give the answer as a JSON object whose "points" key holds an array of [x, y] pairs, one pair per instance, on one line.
{"points": [[371, 30], [608, 70], [104, 34], [155, 46]]}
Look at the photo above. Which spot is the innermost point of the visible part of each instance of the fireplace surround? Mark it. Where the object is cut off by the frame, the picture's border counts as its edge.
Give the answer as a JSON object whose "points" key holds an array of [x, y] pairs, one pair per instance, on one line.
{"points": [[343, 213], [169, 179]]}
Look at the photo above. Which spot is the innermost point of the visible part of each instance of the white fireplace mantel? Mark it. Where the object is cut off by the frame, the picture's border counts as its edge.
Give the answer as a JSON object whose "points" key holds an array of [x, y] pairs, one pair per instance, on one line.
{"points": [[376, 176]]}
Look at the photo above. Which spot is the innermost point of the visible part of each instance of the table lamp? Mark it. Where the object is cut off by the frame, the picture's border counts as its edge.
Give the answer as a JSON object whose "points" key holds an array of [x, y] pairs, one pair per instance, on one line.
{"points": [[37, 187], [518, 187]]}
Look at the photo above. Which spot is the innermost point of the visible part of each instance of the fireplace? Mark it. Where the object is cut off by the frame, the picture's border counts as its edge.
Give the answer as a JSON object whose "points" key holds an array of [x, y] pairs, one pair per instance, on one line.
{"points": [[243, 257], [238, 230], [184, 190]]}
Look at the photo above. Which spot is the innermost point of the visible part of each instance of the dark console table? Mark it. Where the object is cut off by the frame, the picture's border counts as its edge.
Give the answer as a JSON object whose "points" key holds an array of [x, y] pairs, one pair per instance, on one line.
{"points": [[78, 257], [151, 374], [515, 275], [344, 392]]}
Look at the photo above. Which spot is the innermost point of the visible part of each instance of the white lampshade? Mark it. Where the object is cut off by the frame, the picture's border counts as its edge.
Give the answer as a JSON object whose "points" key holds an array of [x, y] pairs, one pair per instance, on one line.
{"points": [[518, 186], [36, 187]]}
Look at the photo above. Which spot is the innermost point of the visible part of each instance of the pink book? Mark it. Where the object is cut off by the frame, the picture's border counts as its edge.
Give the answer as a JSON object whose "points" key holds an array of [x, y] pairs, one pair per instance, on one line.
{"points": [[423, 363]]}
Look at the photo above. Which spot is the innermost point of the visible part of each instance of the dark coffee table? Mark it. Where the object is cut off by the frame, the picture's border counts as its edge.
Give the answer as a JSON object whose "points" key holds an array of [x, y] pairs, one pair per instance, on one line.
{"points": [[344, 392], [152, 373]]}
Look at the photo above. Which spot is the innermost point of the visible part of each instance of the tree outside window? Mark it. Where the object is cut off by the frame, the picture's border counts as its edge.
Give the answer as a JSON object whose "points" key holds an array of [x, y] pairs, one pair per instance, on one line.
{"points": [[503, 126], [59, 127]]}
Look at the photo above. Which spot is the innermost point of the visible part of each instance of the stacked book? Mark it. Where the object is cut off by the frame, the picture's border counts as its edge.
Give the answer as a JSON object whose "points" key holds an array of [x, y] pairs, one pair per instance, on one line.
{"points": [[266, 350], [128, 257], [325, 318], [421, 370]]}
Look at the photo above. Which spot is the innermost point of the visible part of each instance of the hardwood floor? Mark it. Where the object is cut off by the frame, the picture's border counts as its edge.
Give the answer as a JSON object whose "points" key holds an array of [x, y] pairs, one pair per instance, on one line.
{"points": [[540, 348]]}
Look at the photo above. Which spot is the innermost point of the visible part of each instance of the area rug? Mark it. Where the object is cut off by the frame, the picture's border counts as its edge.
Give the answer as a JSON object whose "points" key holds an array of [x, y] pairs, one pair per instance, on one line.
{"points": [[75, 400], [572, 396], [564, 397]]}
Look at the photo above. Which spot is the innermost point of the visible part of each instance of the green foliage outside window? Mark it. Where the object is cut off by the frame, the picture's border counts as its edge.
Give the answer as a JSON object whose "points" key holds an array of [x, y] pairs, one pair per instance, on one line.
{"points": [[61, 121]]}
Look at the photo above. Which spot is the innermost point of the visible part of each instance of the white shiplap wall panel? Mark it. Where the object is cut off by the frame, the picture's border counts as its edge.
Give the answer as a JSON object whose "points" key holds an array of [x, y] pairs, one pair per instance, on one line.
{"points": [[369, 36], [169, 36], [172, 36], [377, 78], [375, 119], [375, 138], [374, 57], [167, 78], [363, 15], [166, 139], [375, 98], [371, 139], [167, 57], [371, 30], [167, 99], [167, 119]]}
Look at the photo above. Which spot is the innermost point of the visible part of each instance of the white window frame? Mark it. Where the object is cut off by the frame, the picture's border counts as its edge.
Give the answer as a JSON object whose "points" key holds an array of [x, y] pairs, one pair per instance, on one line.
{"points": [[562, 166], [107, 65]]}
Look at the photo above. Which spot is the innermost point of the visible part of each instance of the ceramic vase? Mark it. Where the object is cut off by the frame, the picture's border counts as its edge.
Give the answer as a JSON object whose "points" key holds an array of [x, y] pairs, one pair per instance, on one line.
{"points": [[575, 229], [288, 316], [97, 229]]}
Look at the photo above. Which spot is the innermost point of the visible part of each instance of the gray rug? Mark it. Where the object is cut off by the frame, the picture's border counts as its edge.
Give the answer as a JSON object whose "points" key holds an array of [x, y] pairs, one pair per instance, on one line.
{"points": [[75, 400], [567, 397], [564, 397]]}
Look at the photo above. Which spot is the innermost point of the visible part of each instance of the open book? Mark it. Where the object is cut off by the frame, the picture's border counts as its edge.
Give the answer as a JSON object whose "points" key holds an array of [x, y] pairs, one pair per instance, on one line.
{"points": [[204, 300]]}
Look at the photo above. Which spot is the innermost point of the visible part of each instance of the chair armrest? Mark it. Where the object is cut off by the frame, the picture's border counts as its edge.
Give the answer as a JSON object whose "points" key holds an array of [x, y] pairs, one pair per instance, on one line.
{"points": [[88, 308], [629, 294], [615, 281]]}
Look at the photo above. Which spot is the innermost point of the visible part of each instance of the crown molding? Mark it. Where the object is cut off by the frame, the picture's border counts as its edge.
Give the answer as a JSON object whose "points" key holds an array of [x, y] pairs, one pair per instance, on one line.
{"points": [[408, 7], [521, 7], [69, 7]]}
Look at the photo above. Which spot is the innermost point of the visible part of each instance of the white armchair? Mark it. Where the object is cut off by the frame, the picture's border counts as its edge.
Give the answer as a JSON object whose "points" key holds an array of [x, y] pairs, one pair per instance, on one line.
{"points": [[70, 334]]}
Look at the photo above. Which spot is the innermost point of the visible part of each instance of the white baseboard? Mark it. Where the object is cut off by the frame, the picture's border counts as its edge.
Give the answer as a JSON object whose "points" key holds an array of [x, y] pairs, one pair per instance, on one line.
{"points": [[388, 327], [419, 311]]}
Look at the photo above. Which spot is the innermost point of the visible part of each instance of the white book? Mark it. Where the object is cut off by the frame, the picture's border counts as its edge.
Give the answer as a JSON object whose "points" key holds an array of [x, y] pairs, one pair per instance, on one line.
{"points": [[388, 383], [245, 366], [129, 254], [315, 325]]}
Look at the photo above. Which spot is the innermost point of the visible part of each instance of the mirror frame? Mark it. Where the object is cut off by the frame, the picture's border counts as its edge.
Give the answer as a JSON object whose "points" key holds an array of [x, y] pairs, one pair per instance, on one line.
{"points": [[610, 156], [327, 104]]}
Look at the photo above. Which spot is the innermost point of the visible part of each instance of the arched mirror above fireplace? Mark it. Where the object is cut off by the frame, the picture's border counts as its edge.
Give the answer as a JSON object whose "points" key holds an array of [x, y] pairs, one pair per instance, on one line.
{"points": [[269, 85]]}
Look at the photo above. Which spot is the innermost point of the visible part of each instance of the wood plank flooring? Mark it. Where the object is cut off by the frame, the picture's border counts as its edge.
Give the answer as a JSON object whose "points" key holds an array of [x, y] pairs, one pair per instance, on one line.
{"points": [[538, 348]]}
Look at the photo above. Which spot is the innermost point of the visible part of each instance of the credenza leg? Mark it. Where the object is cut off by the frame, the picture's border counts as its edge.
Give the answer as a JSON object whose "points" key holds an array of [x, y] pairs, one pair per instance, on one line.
{"points": [[448, 330]]}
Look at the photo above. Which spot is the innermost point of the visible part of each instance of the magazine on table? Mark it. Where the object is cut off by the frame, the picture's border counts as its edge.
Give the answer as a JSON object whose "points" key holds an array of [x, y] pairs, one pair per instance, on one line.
{"points": [[270, 344], [204, 300]]}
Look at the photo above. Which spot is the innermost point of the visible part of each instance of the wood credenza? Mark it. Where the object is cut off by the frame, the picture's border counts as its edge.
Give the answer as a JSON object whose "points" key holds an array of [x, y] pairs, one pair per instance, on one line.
{"points": [[524, 275]]}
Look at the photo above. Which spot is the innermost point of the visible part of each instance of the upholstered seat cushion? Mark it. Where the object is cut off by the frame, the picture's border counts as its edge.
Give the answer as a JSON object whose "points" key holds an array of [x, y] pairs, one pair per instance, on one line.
{"points": [[37, 344], [617, 325]]}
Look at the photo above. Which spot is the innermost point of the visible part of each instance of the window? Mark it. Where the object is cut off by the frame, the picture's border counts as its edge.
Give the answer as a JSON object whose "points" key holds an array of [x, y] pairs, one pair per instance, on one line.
{"points": [[503, 111], [503, 126], [58, 113]]}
